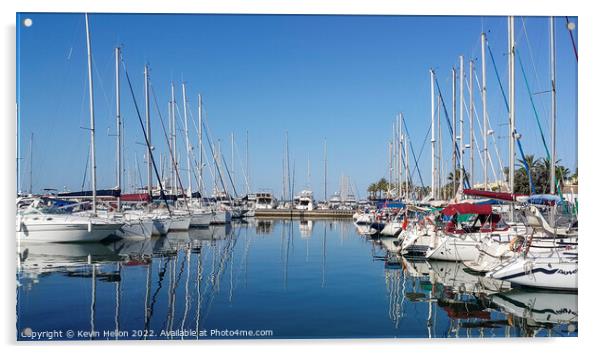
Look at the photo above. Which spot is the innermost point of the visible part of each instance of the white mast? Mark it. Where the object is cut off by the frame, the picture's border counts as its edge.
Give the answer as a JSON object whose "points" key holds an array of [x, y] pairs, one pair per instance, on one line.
{"points": [[148, 133], [172, 104], [247, 163], [184, 103], [440, 141], [454, 152], [512, 153], [92, 122], [462, 121], [471, 121], [232, 159], [406, 141], [200, 99], [31, 164], [118, 117], [485, 118], [553, 78], [399, 153], [325, 172], [433, 133]]}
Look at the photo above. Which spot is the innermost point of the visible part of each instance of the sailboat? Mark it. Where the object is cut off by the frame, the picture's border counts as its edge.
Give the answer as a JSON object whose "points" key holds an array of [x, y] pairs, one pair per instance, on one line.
{"points": [[42, 222]]}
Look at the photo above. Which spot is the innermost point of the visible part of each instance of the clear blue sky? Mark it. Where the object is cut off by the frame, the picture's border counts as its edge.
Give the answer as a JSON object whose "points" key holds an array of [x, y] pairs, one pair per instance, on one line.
{"points": [[343, 78]]}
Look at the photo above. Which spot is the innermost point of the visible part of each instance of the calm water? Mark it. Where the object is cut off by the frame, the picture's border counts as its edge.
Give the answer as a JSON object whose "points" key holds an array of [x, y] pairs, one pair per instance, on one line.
{"points": [[266, 279]]}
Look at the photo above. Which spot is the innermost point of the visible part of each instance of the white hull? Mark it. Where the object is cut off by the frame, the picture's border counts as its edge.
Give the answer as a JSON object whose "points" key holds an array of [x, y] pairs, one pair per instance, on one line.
{"points": [[391, 229], [551, 272], [201, 218], [161, 226], [180, 223], [454, 249], [137, 228], [68, 232]]}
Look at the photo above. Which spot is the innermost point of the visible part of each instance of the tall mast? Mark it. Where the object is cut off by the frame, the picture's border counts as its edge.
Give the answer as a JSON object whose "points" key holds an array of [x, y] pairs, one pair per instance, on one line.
{"points": [[471, 120], [148, 133], [433, 133], [440, 159], [462, 120], [92, 122], [247, 163], [511, 152], [184, 103], [232, 159], [553, 78], [485, 118], [454, 152], [31, 165], [172, 104], [390, 167], [407, 163], [399, 144], [118, 118], [200, 99], [325, 172]]}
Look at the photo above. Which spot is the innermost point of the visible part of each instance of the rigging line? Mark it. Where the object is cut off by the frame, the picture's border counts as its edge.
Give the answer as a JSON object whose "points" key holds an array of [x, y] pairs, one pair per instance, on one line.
{"points": [[514, 132], [495, 147], [242, 167], [422, 150], [162, 192], [522, 69], [497, 75], [197, 179], [455, 143], [534, 67], [171, 155], [86, 169], [219, 171], [413, 154], [572, 38], [229, 176], [478, 149]]}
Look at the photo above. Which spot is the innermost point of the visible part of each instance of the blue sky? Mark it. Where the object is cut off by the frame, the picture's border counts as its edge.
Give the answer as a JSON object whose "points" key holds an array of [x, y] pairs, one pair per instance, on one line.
{"points": [[339, 78]]}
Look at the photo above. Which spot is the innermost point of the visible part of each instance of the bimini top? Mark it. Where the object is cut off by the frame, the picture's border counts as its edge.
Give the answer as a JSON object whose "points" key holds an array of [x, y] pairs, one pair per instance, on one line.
{"points": [[467, 208], [544, 199]]}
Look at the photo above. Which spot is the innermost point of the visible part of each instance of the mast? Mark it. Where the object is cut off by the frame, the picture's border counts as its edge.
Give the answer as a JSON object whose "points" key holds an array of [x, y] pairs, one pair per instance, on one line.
{"points": [[118, 118], [471, 120], [172, 104], [433, 133], [189, 192], [454, 152], [440, 159], [232, 159], [31, 164], [247, 163], [325, 172], [148, 133], [512, 112], [200, 99], [92, 122], [485, 118], [399, 154], [407, 163], [553, 79], [462, 120]]}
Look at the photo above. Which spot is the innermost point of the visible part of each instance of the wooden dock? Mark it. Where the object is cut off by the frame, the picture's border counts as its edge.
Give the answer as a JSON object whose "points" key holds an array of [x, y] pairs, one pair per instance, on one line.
{"points": [[304, 214]]}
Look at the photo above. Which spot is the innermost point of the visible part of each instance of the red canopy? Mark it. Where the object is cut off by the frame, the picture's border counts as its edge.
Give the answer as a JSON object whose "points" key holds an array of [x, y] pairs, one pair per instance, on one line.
{"points": [[493, 195], [467, 208], [135, 197]]}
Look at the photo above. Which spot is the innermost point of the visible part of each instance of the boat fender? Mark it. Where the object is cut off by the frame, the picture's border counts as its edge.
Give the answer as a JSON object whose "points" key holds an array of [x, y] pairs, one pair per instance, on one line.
{"points": [[89, 226]]}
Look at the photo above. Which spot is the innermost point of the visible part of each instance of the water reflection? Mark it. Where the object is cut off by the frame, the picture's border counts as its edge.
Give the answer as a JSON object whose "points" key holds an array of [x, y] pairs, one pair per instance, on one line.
{"points": [[260, 277]]}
